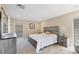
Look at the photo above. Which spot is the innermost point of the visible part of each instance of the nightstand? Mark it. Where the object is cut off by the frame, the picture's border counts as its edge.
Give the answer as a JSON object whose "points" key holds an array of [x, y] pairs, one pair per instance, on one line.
{"points": [[62, 41]]}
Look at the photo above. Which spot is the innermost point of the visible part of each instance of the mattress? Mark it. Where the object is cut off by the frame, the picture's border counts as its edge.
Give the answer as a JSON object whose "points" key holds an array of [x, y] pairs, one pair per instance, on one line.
{"points": [[43, 37], [43, 40]]}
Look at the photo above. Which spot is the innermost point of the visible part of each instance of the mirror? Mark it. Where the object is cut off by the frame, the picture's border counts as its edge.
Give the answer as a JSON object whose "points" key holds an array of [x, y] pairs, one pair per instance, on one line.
{"points": [[4, 21]]}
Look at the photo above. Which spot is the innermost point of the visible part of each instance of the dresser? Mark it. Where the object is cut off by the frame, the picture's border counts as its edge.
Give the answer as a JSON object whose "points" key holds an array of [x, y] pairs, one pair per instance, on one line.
{"points": [[62, 41], [8, 44]]}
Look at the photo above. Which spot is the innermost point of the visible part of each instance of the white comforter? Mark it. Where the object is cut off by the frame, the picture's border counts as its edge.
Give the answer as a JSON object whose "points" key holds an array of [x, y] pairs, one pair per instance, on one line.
{"points": [[43, 40]]}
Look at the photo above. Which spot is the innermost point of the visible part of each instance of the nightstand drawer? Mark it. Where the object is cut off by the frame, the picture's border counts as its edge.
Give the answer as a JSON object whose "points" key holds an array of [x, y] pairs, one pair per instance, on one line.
{"points": [[61, 42]]}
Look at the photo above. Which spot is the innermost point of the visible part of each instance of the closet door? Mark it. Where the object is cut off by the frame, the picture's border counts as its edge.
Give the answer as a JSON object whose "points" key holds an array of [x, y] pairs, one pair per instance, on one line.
{"points": [[0, 24], [76, 34], [19, 30]]}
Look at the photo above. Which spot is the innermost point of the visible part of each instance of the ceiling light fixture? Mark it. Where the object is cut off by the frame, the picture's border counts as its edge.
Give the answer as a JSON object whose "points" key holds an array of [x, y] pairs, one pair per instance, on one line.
{"points": [[20, 6]]}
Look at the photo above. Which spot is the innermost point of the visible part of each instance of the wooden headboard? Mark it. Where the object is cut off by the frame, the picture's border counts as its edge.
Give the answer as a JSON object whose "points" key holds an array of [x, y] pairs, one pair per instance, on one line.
{"points": [[52, 29]]}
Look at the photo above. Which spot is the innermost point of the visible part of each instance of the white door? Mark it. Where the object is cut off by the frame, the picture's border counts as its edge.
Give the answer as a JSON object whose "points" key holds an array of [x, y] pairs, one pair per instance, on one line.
{"points": [[19, 30]]}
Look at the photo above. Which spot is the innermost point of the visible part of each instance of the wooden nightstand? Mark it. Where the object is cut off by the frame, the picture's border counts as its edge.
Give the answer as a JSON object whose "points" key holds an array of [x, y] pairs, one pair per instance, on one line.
{"points": [[62, 41]]}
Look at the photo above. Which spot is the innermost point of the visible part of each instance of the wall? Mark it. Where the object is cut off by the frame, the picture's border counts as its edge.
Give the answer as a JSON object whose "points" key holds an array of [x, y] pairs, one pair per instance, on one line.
{"points": [[65, 22], [26, 30]]}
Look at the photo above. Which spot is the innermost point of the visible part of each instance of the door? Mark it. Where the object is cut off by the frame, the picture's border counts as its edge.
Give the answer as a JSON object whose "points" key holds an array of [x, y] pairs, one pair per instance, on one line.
{"points": [[0, 24], [19, 30], [76, 34]]}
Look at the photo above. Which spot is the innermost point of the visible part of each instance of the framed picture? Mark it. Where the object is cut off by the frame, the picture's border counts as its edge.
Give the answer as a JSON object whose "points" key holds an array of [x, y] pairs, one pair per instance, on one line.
{"points": [[31, 26]]}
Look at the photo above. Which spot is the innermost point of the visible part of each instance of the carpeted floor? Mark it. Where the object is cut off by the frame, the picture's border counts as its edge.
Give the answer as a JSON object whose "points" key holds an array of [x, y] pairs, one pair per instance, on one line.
{"points": [[24, 47]]}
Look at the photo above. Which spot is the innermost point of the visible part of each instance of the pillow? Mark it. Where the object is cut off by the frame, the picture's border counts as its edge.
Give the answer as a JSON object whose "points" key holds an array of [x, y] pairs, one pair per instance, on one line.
{"points": [[48, 33]]}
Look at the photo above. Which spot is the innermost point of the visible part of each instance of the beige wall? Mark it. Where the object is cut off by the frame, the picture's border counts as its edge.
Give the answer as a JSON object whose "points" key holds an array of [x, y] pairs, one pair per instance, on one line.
{"points": [[65, 22], [26, 30]]}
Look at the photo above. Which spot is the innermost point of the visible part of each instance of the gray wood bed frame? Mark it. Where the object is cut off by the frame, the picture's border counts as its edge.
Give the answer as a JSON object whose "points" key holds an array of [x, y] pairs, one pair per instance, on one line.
{"points": [[52, 29]]}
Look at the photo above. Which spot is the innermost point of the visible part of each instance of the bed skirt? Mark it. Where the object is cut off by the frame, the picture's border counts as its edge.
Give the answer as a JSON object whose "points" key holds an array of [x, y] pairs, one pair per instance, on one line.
{"points": [[33, 42]]}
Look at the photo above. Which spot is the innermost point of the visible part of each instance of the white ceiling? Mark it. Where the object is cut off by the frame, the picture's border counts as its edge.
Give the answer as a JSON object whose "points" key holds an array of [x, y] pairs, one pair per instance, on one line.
{"points": [[39, 12]]}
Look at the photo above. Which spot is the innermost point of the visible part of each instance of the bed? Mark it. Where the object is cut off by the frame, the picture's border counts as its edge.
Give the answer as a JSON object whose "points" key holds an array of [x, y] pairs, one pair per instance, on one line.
{"points": [[40, 41]]}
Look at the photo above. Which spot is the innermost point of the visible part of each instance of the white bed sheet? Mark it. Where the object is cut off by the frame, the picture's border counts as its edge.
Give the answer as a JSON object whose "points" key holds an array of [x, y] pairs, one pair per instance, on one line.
{"points": [[43, 40]]}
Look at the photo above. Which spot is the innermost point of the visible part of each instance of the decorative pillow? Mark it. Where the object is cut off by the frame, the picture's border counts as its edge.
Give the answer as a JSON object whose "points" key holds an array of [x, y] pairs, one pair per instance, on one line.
{"points": [[48, 33]]}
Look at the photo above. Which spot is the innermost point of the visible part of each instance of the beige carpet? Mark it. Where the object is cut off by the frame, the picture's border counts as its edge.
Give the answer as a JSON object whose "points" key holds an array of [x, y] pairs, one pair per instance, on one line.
{"points": [[24, 47]]}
